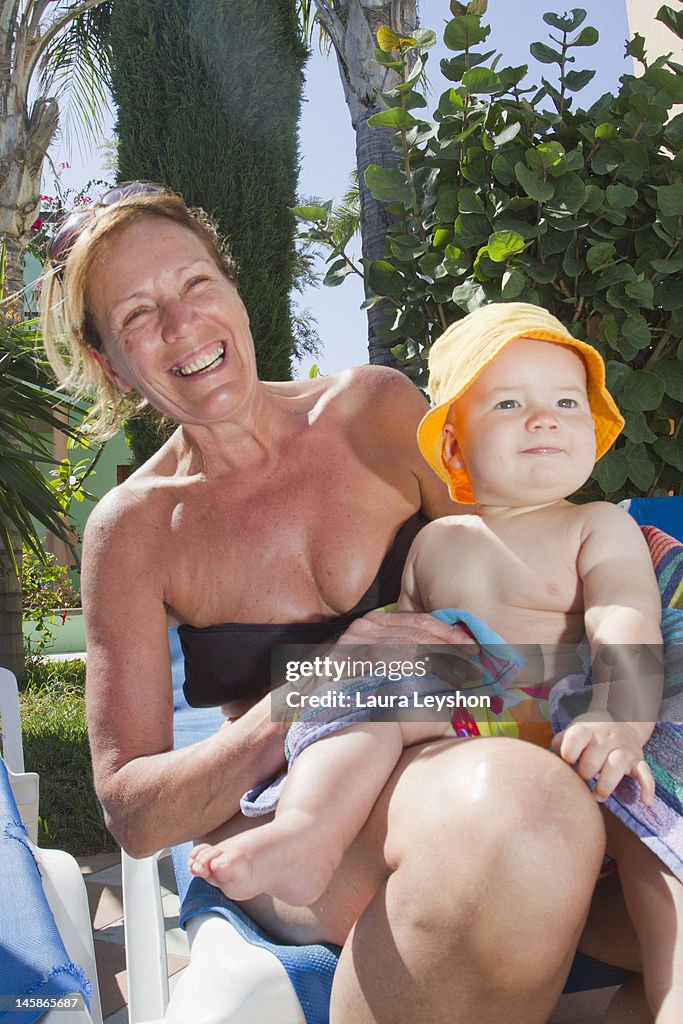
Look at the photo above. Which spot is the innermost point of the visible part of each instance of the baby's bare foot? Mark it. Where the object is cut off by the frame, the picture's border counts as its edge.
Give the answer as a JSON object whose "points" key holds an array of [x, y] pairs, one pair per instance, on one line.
{"points": [[282, 858]]}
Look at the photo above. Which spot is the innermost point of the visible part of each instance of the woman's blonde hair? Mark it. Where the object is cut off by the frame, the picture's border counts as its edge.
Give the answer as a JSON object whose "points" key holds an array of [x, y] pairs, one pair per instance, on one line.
{"points": [[70, 334]]}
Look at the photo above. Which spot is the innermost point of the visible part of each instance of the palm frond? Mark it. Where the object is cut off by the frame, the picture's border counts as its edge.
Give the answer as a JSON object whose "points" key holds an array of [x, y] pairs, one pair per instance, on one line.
{"points": [[75, 68], [309, 20], [25, 401]]}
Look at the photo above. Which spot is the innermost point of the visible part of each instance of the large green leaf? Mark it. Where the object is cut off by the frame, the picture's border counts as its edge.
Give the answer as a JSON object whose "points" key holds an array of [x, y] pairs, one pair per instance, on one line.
{"points": [[641, 468], [670, 450], [384, 279], [545, 54], [643, 391], [671, 18], [394, 117], [465, 32], [611, 472], [670, 200], [636, 428], [577, 80], [569, 193], [600, 255], [566, 22], [504, 244], [481, 80], [533, 184], [311, 213], [388, 184]]}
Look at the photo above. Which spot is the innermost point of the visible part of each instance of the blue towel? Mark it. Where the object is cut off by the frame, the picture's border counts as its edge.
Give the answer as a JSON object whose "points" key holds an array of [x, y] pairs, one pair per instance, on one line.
{"points": [[34, 963], [309, 968]]}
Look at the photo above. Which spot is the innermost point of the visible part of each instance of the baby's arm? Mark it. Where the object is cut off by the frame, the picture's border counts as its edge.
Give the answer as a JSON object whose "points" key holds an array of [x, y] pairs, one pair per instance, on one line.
{"points": [[622, 612]]}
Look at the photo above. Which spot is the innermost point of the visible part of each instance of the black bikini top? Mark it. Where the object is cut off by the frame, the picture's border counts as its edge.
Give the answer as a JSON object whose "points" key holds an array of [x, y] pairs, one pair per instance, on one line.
{"points": [[231, 661]]}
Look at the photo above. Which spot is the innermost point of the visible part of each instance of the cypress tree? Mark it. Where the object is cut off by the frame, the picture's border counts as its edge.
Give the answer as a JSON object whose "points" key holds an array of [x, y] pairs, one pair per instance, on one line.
{"points": [[209, 95]]}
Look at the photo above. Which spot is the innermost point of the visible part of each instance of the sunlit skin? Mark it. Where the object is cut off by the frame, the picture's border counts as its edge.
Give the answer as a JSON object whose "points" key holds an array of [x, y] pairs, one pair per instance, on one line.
{"points": [[160, 303], [524, 428], [277, 502], [525, 563]]}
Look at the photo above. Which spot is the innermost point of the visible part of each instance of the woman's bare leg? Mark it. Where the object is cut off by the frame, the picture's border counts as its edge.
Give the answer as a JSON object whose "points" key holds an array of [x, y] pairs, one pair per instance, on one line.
{"points": [[493, 854], [463, 896], [629, 1004]]}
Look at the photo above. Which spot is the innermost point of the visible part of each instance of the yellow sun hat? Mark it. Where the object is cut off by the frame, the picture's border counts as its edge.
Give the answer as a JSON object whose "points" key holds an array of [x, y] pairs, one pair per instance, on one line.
{"points": [[469, 345]]}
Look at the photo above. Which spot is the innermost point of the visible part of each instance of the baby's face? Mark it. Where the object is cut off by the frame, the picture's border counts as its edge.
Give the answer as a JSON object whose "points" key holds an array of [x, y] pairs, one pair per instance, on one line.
{"points": [[524, 429]]}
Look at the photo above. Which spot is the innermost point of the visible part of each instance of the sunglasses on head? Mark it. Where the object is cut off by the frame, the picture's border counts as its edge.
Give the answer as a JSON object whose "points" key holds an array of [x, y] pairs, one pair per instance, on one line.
{"points": [[66, 234]]}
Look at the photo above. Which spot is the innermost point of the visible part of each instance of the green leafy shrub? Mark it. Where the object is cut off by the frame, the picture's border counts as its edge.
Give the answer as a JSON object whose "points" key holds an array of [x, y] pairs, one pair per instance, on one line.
{"points": [[45, 586], [580, 211]]}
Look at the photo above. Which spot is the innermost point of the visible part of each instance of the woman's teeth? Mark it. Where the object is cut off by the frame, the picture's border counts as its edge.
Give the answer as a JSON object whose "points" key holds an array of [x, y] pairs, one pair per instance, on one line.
{"points": [[205, 362]]}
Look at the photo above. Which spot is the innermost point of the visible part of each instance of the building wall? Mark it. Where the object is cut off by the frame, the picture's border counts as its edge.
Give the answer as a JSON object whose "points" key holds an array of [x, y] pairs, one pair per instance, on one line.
{"points": [[658, 38]]}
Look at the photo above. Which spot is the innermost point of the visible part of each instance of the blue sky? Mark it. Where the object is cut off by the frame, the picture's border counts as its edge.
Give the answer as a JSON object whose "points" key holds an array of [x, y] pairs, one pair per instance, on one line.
{"points": [[328, 146]]}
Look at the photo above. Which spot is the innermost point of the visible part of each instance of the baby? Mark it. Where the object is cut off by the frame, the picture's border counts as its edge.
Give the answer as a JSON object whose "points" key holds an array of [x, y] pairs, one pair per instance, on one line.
{"points": [[522, 414]]}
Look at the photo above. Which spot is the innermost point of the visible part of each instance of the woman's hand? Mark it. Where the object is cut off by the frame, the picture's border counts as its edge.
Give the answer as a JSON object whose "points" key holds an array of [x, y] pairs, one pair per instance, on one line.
{"points": [[412, 638], [403, 628]]}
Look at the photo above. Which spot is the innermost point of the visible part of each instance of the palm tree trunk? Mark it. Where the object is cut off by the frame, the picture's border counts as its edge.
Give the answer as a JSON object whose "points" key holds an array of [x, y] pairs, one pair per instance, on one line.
{"points": [[373, 146], [11, 640], [352, 27]]}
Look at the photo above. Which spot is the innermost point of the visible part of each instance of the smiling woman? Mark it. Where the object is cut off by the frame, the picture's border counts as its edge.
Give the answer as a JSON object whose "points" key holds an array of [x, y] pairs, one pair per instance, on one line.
{"points": [[72, 337], [172, 326], [281, 513]]}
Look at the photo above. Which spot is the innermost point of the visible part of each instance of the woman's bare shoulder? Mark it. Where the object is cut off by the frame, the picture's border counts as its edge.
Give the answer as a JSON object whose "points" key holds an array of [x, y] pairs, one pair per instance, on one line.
{"points": [[131, 513]]}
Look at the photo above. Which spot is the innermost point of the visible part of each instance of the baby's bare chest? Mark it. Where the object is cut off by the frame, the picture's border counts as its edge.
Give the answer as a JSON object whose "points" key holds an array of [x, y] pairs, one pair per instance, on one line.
{"points": [[526, 587]]}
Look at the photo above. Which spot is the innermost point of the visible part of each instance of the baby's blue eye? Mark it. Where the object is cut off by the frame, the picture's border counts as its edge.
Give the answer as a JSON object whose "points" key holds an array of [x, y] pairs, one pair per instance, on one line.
{"points": [[568, 403], [508, 403]]}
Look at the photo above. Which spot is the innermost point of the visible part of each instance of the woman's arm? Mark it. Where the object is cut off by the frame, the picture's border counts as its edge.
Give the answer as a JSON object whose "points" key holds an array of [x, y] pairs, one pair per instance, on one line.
{"points": [[152, 795]]}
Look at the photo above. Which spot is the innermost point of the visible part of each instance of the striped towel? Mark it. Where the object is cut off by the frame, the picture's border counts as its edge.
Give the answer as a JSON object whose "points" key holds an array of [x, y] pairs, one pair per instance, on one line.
{"points": [[661, 825]]}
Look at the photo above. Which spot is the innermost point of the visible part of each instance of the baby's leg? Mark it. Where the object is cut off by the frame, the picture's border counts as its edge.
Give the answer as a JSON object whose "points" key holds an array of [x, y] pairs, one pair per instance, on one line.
{"points": [[654, 898], [330, 791]]}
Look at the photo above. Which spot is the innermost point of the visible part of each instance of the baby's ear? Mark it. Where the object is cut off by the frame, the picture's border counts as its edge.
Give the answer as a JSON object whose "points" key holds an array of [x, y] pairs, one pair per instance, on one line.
{"points": [[450, 449]]}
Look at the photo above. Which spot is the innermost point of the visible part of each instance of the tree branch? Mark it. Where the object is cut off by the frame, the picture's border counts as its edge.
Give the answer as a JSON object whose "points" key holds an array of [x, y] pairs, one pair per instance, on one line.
{"points": [[331, 23], [33, 15]]}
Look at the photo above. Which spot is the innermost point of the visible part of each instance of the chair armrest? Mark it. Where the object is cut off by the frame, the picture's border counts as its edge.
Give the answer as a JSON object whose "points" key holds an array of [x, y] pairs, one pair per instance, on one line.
{"points": [[25, 788], [145, 938], [65, 891]]}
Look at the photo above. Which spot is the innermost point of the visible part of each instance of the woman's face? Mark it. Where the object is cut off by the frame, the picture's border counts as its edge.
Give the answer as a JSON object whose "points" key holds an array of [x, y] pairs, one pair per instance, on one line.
{"points": [[174, 328]]}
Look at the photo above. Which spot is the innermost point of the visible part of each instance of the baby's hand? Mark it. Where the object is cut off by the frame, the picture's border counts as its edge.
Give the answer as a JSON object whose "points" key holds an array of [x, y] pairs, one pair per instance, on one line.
{"points": [[607, 749]]}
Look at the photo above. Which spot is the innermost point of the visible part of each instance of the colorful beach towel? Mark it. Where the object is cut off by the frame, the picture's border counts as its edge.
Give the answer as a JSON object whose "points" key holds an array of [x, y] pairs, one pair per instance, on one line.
{"points": [[520, 712], [661, 825], [486, 665]]}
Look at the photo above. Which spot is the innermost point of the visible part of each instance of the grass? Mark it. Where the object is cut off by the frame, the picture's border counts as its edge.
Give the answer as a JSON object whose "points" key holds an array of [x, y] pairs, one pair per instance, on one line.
{"points": [[56, 746]]}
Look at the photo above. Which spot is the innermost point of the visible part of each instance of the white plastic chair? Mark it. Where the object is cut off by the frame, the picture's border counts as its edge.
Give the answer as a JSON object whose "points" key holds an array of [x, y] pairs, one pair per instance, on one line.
{"points": [[61, 876], [248, 983]]}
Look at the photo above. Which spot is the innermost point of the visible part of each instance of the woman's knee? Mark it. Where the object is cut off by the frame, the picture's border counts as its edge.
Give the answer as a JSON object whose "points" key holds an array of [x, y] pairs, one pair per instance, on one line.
{"points": [[498, 813], [505, 786], [500, 858]]}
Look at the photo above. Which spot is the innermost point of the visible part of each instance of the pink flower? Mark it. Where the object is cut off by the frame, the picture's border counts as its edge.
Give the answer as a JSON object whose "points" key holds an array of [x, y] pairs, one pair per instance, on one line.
{"points": [[37, 225], [64, 166], [48, 199]]}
